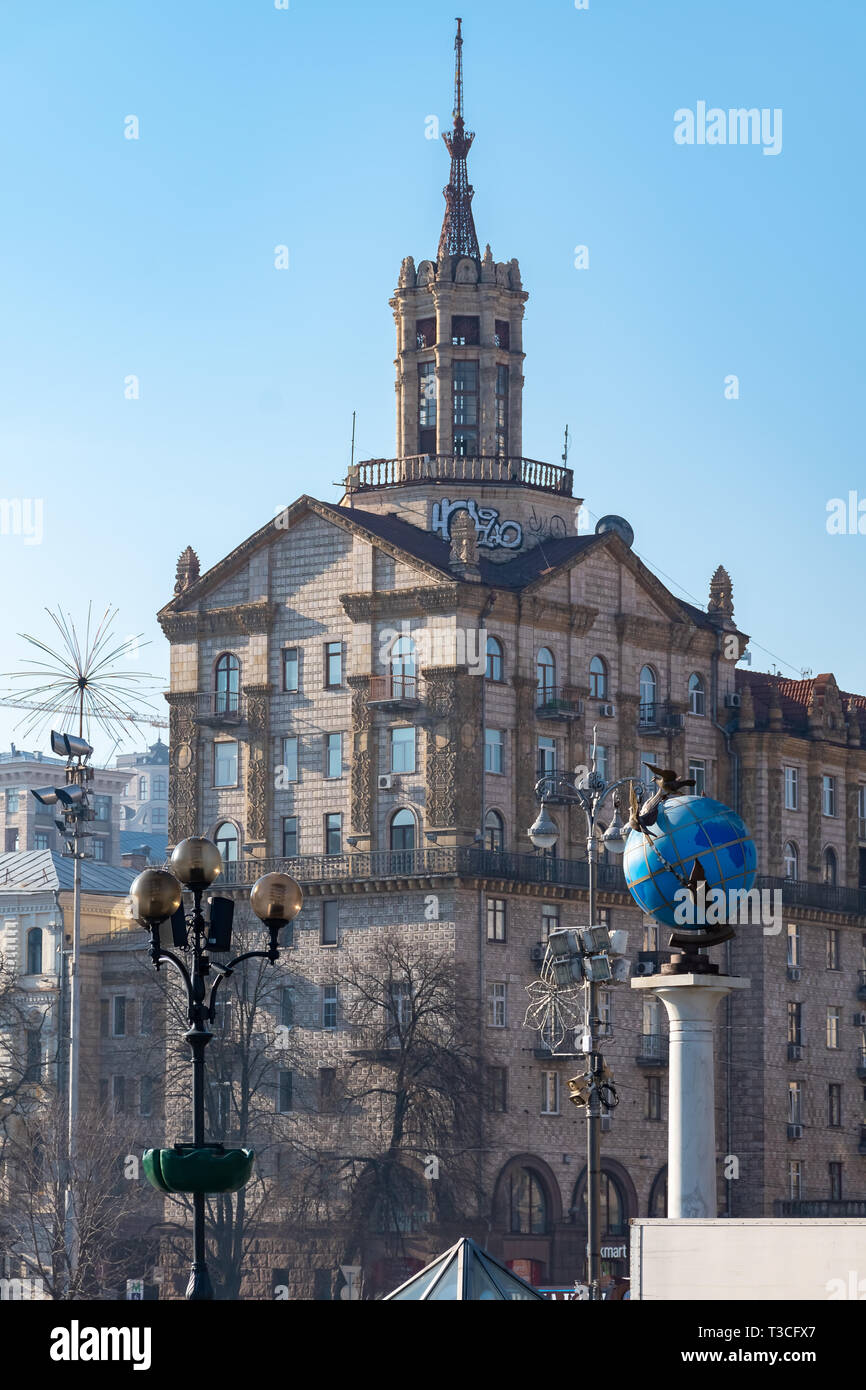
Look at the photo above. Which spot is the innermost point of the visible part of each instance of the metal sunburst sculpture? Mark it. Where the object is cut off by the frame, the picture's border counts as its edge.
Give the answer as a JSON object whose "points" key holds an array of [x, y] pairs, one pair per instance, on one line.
{"points": [[79, 683], [554, 1010]]}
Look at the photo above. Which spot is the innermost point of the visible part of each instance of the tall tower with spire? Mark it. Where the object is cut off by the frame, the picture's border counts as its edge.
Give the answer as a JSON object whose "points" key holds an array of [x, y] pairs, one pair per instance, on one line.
{"points": [[459, 386]]}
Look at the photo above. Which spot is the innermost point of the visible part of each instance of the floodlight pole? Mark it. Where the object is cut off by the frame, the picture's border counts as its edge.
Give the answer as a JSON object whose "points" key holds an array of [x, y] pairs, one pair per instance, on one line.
{"points": [[590, 796]]}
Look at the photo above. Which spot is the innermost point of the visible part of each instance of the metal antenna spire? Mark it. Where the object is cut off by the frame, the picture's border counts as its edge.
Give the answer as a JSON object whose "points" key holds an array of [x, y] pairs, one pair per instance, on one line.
{"points": [[459, 237]]}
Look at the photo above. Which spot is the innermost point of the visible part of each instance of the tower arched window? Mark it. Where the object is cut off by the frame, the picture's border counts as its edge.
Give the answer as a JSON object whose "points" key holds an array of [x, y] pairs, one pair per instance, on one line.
{"points": [[697, 695], [648, 695], [34, 951], [403, 830], [791, 857], [227, 677], [597, 679], [830, 867], [545, 672], [528, 1202], [494, 832], [226, 841], [494, 659]]}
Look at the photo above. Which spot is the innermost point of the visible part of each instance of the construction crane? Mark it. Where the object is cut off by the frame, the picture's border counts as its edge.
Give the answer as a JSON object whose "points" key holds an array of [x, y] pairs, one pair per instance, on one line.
{"points": [[126, 718]]}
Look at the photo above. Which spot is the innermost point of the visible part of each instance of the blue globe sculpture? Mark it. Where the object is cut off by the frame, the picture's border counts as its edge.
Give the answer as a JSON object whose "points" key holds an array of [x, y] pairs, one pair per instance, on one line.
{"points": [[688, 828]]}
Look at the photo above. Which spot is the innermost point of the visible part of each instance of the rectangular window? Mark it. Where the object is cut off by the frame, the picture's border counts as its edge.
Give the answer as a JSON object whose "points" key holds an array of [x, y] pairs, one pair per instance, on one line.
{"points": [[330, 930], [403, 750], [284, 1092], [698, 770], [834, 1171], [333, 664], [158, 816], [602, 763], [464, 330], [834, 1105], [833, 949], [291, 668], [287, 1007], [792, 789], [795, 1024], [145, 1096], [118, 1094], [329, 1006], [605, 1013], [653, 1109], [13, 795], [118, 1016], [495, 919], [334, 832], [425, 333], [333, 755], [34, 1054], [502, 410], [546, 755], [398, 1012], [427, 389], [550, 1093], [493, 750], [41, 840], [102, 808], [795, 1180], [828, 795], [225, 763], [327, 1085], [795, 1102], [502, 334], [650, 936], [793, 944], [497, 1090], [290, 837], [290, 758], [834, 1015], [465, 408], [497, 1005], [549, 919]]}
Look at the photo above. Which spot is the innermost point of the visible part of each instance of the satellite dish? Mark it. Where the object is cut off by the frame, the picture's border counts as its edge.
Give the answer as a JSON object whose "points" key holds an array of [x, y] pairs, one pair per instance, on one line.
{"points": [[617, 524]]}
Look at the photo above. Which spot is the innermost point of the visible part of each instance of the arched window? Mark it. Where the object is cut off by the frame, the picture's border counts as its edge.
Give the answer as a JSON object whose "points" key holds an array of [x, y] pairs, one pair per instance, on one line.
{"points": [[545, 671], [34, 951], [494, 659], [792, 860], [403, 668], [614, 1208], [658, 1198], [403, 830], [648, 692], [227, 677], [527, 1202], [830, 865], [697, 696], [226, 840], [494, 831], [597, 679]]}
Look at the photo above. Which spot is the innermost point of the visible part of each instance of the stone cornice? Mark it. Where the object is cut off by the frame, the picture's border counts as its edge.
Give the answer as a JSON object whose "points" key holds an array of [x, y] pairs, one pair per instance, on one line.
{"points": [[571, 617], [236, 618], [401, 603]]}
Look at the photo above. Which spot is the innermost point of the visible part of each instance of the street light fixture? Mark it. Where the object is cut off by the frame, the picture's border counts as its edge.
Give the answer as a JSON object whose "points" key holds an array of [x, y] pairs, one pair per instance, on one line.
{"points": [[157, 897], [589, 961]]}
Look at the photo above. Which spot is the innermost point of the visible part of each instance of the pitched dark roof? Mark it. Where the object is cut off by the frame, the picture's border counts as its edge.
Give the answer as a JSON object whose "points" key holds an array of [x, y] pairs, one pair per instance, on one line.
{"points": [[34, 870]]}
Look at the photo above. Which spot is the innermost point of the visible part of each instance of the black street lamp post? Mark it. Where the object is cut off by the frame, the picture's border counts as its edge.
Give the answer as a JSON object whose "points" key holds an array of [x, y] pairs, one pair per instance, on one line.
{"points": [[158, 897]]}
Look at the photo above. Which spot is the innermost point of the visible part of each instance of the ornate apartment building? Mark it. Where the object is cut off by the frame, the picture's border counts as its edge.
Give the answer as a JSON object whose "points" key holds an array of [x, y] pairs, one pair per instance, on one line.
{"points": [[364, 694]]}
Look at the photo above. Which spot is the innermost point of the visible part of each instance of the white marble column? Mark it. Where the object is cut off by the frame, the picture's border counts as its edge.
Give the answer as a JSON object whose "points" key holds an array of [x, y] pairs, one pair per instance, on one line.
{"points": [[691, 1001]]}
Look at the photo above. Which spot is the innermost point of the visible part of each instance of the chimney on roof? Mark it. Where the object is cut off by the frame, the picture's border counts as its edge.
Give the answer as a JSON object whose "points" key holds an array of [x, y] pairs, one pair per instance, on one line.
{"points": [[135, 859]]}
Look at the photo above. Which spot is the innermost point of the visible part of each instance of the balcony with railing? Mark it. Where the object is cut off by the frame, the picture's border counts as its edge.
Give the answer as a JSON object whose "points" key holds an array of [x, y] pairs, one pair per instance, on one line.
{"points": [[220, 707], [825, 897], [660, 717], [558, 702], [652, 1050], [417, 469], [394, 692], [845, 1208]]}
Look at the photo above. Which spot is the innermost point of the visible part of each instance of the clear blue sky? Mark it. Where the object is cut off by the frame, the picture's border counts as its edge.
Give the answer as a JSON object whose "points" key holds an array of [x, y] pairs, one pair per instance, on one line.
{"points": [[306, 127]]}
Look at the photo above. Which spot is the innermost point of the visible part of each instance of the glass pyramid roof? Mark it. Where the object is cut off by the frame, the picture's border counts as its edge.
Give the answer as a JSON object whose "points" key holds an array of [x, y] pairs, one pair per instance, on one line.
{"points": [[465, 1272]]}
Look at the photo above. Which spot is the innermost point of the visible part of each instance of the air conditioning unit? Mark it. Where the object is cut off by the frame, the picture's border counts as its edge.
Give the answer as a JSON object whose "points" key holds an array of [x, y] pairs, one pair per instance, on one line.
{"points": [[795, 1131], [732, 701], [607, 711], [537, 953], [794, 972], [385, 782], [644, 967], [860, 1020], [795, 1052]]}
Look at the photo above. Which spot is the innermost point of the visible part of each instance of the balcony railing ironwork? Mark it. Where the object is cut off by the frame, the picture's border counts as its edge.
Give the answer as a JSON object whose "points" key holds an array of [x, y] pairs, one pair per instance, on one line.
{"points": [[220, 706], [660, 716], [558, 702], [846, 1207], [417, 469], [824, 896], [395, 690], [653, 1050]]}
